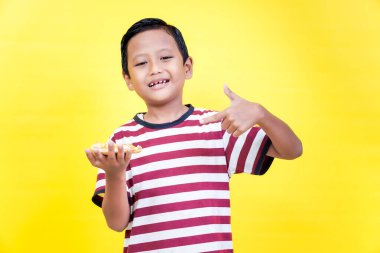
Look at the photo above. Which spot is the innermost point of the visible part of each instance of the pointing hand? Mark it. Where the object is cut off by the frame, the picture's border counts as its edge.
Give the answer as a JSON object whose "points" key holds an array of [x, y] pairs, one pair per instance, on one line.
{"points": [[240, 116]]}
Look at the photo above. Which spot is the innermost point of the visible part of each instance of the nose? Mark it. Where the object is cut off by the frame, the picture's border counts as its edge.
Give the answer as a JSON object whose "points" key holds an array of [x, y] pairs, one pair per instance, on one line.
{"points": [[155, 68]]}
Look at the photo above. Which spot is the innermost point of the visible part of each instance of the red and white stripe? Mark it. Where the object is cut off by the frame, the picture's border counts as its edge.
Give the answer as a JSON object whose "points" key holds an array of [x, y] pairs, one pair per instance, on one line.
{"points": [[179, 184]]}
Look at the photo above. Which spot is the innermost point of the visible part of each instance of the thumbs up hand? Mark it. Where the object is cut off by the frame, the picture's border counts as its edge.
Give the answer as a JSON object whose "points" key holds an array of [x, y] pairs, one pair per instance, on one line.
{"points": [[240, 116]]}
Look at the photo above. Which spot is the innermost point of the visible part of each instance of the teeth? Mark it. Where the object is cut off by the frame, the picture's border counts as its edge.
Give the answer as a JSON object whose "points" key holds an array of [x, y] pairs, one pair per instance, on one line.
{"points": [[158, 82]]}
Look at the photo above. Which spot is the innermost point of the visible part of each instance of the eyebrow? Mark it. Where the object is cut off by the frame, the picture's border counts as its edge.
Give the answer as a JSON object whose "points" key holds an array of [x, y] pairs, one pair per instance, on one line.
{"points": [[143, 54]]}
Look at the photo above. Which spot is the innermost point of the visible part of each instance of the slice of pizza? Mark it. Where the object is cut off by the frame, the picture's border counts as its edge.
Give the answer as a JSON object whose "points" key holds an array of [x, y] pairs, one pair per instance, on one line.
{"points": [[103, 148]]}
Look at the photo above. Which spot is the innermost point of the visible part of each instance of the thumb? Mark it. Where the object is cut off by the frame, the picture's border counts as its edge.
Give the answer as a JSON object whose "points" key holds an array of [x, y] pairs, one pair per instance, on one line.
{"points": [[213, 118], [229, 93]]}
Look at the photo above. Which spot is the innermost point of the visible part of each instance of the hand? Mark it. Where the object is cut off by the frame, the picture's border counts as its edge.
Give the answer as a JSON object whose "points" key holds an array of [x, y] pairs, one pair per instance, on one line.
{"points": [[113, 162], [240, 116]]}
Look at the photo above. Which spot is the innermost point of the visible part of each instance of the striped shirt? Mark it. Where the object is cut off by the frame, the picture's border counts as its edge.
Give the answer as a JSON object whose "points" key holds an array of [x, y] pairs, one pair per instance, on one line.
{"points": [[178, 186]]}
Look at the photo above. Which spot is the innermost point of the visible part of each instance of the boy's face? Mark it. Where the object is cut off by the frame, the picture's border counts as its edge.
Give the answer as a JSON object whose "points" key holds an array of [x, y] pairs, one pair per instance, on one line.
{"points": [[156, 69]]}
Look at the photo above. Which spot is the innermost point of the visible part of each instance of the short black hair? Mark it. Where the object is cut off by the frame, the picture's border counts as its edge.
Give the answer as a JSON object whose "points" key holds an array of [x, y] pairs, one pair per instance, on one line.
{"points": [[151, 24]]}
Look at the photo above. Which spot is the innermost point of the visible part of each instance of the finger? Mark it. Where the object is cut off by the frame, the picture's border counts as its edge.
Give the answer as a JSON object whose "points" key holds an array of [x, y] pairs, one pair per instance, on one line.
{"points": [[127, 156], [226, 123], [231, 129], [98, 155], [213, 118], [229, 93], [237, 132], [120, 152], [93, 158], [111, 150], [241, 130], [90, 156]]}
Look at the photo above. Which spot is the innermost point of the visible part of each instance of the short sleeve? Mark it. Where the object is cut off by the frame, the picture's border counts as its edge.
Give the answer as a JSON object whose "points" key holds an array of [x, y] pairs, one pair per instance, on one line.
{"points": [[100, 186], [247, 153]]}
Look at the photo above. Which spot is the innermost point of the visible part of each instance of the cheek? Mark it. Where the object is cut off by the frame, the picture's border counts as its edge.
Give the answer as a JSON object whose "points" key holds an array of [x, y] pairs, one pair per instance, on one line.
{"points": [[138, 75], [178, 70]]}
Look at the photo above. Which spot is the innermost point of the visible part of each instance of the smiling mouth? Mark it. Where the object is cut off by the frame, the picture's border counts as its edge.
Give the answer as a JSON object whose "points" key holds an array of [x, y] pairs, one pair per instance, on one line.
{"points": [[158, 83]]}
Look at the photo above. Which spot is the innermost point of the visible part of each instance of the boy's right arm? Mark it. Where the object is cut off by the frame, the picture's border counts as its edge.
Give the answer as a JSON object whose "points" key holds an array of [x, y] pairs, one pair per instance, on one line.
{"points": [[115, 204]]}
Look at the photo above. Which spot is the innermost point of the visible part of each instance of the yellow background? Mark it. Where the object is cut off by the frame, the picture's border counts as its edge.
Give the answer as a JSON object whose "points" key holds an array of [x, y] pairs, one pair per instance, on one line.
{"points": [[315, 64]]}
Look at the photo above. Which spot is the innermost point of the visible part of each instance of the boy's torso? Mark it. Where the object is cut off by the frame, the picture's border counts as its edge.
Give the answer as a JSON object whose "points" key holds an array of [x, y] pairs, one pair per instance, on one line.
{"points": [[179, 187]]}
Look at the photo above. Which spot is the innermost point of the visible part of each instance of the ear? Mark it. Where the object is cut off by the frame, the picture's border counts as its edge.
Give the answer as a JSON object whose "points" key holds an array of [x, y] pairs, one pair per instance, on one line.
{"points": [[188, 68], [127, 80]]}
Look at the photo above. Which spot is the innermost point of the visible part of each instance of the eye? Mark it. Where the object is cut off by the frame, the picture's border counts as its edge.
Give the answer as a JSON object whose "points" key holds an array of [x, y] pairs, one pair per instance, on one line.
{"points": [[165, 58], [140, 64]]}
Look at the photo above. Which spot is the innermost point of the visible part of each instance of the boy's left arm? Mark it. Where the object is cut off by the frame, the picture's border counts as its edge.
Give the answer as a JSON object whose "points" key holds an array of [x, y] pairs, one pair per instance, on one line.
{"points": [[243, 115]]}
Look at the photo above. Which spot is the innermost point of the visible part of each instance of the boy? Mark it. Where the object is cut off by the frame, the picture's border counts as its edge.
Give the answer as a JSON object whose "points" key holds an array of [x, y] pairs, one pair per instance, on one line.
{"points": [[174, 195]]}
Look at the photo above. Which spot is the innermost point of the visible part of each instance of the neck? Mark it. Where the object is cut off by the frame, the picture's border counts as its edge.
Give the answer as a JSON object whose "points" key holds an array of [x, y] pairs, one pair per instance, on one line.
{"points": [[164, 114]]}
